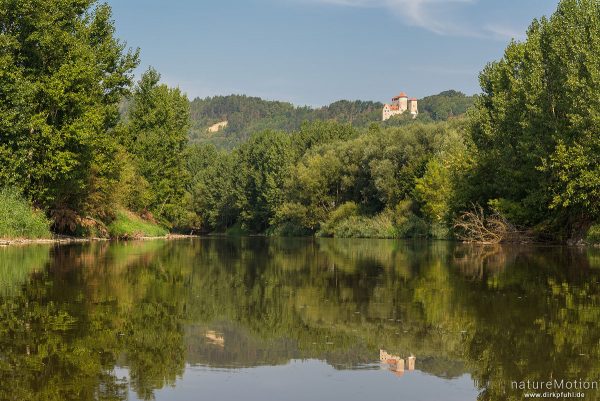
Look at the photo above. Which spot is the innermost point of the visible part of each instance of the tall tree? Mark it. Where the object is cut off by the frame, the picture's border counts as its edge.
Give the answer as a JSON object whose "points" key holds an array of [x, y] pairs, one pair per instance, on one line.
{"points": [[536, 126], [62, 74], [264, 162], [157, 134], [212, 186]]}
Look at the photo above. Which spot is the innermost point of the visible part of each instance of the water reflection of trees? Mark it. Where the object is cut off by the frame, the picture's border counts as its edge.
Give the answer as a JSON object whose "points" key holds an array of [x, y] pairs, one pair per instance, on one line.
{"points": [[17, 264], [501, 314]]}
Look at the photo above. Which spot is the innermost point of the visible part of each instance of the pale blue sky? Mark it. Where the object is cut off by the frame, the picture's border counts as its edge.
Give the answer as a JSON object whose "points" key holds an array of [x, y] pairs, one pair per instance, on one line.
{"points": [[313, 52]]}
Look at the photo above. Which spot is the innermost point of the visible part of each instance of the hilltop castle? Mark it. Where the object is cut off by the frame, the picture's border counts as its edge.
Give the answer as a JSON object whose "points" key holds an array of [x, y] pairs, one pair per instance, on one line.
{"points": [[400, 104]]}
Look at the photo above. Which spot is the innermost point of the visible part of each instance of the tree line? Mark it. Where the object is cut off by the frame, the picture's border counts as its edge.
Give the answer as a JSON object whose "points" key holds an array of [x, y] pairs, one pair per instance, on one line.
{"points": [[522, 162], [524, 158]]}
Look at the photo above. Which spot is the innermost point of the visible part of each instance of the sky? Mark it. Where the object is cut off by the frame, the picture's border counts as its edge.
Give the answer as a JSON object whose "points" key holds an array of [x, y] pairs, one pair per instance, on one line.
{"points": [[314, 52]]}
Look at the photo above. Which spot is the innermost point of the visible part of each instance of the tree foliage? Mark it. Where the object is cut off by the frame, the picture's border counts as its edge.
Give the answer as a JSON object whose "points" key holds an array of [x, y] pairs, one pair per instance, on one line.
{"points": [[156, 136], [445, 105], [62, 75], [263, 165], [213, 186], [535, 126], [295, 183]]}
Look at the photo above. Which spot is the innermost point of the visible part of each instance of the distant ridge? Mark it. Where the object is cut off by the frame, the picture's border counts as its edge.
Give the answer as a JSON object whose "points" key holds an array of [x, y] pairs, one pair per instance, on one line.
{"points": [[246, 115]]}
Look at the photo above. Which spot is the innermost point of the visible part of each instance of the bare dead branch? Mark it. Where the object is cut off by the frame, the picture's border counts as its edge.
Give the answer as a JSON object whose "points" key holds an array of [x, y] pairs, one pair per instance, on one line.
{"points": [[475, 226]]}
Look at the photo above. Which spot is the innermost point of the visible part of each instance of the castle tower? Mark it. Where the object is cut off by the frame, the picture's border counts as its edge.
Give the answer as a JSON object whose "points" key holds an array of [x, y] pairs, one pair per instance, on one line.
{"points": [[411, 362], [399, 105], [413, 107], [402, 101]]}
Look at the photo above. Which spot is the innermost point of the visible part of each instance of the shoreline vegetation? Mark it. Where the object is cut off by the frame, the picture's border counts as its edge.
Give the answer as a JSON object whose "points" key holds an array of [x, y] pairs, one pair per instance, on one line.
{"points": [[63, 240], [87, 153]]}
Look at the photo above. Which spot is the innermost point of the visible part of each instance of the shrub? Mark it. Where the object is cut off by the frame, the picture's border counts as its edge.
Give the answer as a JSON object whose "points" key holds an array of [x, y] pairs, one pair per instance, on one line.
{"points": [[364, 227], [343, 213], [346, 222], [408, 224], [19, 220], [288, 229], [440, 231], [512, 211], [237, 230], [593, 234], [290, 220], [354, 226], [434, 190]]}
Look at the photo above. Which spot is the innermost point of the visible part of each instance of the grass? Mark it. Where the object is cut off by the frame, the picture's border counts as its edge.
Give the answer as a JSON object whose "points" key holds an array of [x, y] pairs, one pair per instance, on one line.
{"points": [[129, 225], [19, 220]]}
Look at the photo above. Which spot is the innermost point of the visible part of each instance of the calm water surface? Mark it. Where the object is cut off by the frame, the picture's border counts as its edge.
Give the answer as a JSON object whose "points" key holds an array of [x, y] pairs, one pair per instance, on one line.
{"points": [[272, 319]]}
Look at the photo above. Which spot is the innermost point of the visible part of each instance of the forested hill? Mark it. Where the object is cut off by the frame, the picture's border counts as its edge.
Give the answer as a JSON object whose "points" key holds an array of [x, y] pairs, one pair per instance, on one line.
{"points": [[246, 115]]}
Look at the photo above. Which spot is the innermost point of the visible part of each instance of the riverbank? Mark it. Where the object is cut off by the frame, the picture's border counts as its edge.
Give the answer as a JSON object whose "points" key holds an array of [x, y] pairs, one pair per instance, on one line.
{"points": [[64, 240], [22, 224]]}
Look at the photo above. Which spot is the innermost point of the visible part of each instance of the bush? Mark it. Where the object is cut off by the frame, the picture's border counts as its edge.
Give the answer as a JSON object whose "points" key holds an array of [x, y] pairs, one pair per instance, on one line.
{"points": [[129, 225], [19, 220], [237, 230], [290, 221], [434, 190], [344, 212], [346, 222], [440, 231], [364, 227], [354, 226], [593, 234], [407, 223], [511, 211], [288, 229]]}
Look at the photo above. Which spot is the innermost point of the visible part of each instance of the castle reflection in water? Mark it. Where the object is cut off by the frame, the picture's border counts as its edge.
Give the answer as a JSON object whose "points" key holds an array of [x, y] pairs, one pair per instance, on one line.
{"points": [[396, 364]]}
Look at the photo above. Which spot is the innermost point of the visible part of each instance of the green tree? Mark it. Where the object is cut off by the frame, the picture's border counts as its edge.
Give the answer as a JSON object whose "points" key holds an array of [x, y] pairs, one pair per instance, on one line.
{"points": [[246, 115], [62, 75], [535, 126], [435, 189], [263, 165], [445, 105], [212, 186], [157, 132], [317, 133], [314, 188], [374, 171], [444, 188]]}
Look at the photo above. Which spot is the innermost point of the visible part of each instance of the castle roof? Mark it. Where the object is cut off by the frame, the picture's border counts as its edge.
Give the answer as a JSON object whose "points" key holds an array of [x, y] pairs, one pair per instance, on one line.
{"points": [[413, 99], [400, 96]]}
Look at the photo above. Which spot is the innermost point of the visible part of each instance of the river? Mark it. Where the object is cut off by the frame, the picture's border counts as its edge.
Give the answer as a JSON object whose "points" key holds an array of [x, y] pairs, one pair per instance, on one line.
{"points": [[296, 319]]}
